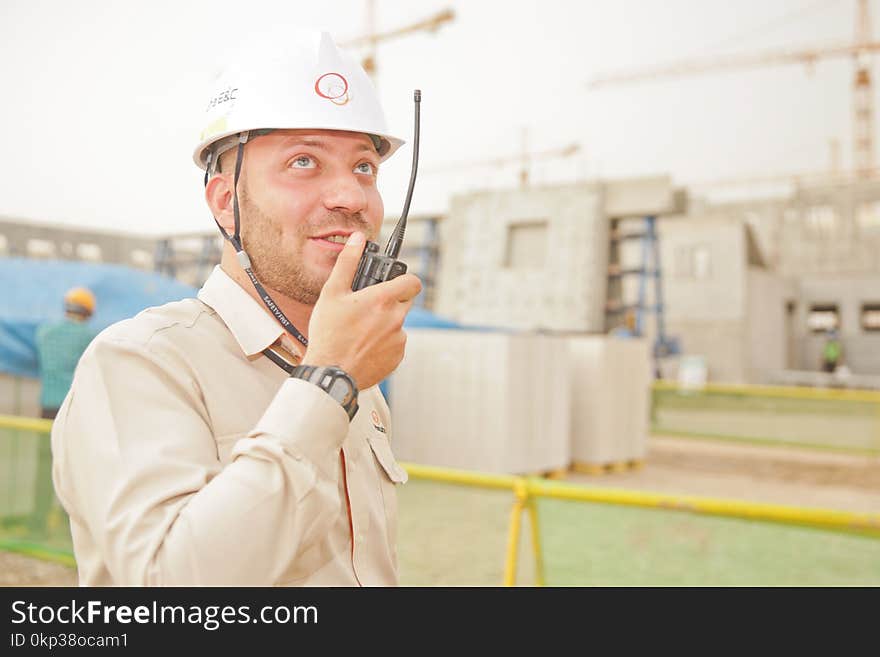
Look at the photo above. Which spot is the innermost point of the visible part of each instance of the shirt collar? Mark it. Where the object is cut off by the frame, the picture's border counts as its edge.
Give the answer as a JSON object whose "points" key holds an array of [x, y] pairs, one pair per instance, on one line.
{"points": [[252, 327]]}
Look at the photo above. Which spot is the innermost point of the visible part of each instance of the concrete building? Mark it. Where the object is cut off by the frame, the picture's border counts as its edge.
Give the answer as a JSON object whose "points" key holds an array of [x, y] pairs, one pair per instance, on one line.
{"points": [[820, 228], [743, 284], [537, 257], [848, 303], [823, 239], [189, 258], [722, 301]]}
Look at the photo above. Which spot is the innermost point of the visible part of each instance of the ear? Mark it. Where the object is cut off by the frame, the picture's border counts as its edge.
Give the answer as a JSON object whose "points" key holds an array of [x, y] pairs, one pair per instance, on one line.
{"points": [[218, 194]]}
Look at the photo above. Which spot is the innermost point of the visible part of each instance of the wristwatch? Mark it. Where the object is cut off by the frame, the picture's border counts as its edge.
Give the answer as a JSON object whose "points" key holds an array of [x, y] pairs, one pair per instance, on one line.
{"points": [[334, 381]]}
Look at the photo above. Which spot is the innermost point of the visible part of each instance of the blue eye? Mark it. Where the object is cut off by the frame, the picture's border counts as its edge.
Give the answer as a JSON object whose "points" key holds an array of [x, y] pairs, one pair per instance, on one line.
{"points": [[366, 167], [303, 162]]}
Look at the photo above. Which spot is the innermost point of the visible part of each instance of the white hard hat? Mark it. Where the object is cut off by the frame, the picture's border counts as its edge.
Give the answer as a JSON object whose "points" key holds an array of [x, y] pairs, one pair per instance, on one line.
{"points": [[301, 81]]}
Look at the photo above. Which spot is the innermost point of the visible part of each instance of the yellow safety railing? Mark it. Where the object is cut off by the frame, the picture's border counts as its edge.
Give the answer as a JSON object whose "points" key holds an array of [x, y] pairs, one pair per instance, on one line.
{"points": [[25, 423], [790, 392], [527, 489]]}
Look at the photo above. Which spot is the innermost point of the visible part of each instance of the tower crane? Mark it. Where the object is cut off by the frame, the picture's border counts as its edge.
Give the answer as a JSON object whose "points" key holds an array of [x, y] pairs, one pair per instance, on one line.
{"points": [[372, 38], [860, 50], [525, 158]]}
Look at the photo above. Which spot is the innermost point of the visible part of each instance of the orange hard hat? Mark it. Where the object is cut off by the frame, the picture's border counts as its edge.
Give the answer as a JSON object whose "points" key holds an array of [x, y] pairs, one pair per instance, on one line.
{"points": [[79, 300]]}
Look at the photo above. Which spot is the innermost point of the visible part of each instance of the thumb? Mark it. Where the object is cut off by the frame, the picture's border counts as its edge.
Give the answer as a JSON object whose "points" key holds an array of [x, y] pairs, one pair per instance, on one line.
{"points": [[346, 264]]}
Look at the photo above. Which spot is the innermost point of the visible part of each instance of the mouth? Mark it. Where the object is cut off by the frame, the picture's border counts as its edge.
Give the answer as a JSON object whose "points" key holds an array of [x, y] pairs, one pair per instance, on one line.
{"points": [[334, 240]]}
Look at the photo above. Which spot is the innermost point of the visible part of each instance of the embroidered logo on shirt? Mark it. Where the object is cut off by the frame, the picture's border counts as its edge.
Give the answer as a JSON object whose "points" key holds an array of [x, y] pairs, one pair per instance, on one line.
{"points": [[377, 423]]}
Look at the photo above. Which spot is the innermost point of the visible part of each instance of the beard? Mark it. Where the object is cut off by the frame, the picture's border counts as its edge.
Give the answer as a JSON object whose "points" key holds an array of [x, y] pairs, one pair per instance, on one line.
{"points": [[278, 267]]}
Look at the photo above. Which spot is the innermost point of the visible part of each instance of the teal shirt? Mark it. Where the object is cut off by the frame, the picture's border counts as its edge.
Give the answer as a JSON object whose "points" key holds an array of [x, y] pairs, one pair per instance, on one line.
{"points": [[59, 346]]}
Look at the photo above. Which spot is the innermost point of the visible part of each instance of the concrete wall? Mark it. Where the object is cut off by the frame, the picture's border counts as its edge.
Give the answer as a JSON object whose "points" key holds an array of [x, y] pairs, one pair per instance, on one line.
{"points": [[561, 282], [717, 305], [68, 243], [724, 345], [861, 349], [188, 258], [766, 338], [817, 227], [690, 294], [705, 302]]}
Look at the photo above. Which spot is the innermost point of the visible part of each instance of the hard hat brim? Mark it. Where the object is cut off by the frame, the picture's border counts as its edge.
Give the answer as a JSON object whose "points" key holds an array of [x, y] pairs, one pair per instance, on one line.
{"points": [[200, 154]]}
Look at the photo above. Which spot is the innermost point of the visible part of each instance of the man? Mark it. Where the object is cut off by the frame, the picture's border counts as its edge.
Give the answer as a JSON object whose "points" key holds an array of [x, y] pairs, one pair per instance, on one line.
{"points": [[60, 344], [59, 347], [199, 445], [628, 328], [831, 352]]}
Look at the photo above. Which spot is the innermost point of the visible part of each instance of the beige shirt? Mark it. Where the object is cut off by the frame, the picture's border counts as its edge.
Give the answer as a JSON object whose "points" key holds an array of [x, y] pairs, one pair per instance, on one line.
{"points": [[186, 457]]}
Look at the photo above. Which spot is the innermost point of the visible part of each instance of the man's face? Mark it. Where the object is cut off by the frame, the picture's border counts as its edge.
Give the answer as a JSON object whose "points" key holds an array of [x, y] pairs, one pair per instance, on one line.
{"points": [[301, 194]]}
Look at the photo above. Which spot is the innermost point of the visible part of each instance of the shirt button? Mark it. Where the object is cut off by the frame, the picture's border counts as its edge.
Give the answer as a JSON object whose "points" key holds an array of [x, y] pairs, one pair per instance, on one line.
{"points": [[360, 538]]}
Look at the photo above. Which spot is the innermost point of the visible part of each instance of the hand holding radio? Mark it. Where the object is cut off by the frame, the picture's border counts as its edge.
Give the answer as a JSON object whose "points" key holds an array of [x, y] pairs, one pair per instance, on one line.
{"points": [[360, 331]]}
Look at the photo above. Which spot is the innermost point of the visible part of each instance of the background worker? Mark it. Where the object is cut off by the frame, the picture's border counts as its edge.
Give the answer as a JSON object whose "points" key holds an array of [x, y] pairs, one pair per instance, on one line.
{"points": [[628, 328], [831, 352], [60, 344], [59, 347], [240, 438]]}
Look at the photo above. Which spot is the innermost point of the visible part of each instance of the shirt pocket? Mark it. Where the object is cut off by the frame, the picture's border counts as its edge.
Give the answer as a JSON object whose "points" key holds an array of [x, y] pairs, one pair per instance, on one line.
{"points": [[382, 451], [390, 475]]}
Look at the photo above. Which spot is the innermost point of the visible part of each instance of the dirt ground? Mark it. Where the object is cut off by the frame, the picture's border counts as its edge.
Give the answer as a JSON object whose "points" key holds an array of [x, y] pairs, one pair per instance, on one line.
{"points": [[756, 473], [777, 475], [19, 570]]}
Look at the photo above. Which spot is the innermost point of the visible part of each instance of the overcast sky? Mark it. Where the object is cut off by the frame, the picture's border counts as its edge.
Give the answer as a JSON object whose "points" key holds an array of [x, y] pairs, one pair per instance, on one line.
{"points": [[101, 98]]}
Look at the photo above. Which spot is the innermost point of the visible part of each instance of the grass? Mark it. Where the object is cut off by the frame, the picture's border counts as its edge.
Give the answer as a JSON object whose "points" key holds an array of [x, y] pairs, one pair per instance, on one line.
{"points": [[831, 424], [456, 536]]}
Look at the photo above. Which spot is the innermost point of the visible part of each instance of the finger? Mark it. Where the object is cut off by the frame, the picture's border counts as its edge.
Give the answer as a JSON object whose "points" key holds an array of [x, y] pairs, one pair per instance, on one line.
{"points": [[346, 264], [401, 312], [403, 288]]}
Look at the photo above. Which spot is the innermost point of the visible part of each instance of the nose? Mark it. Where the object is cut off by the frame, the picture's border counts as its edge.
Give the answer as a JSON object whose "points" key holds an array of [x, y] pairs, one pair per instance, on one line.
{"points": [[344, 193]]}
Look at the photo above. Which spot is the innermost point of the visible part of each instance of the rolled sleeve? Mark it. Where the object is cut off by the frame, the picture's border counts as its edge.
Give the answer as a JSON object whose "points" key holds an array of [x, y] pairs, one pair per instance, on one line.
{"points": [[308, 423]]}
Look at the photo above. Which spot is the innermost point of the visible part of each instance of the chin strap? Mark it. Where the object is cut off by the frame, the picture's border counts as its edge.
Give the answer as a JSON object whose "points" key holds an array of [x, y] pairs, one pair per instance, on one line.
{"points": [[245, 262]]}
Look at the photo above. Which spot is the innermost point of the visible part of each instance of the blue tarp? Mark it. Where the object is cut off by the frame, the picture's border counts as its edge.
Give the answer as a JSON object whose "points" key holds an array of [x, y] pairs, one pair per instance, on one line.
{"points": [[421, 318], [32, 292]]}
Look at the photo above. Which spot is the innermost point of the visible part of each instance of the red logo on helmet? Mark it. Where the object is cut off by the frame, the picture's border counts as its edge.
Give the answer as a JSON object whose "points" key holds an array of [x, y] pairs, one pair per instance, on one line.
{"points": [[333, 87]]}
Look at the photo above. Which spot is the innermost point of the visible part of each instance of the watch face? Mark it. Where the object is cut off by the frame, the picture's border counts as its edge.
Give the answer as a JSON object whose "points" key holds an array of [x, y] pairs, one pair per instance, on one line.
{"points": [[340, 389]]}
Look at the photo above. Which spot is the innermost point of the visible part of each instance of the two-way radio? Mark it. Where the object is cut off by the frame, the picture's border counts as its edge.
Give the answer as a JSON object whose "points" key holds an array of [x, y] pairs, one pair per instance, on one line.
{"points": [[376, 267]]}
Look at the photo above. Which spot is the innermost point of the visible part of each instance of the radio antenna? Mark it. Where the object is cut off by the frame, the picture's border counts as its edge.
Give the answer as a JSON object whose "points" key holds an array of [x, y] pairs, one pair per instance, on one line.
{"points": [[396, 239]]}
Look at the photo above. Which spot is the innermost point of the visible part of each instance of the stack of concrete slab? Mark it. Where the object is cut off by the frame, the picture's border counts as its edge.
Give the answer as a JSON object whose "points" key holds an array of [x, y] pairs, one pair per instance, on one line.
{"points": [[484, 401], [611, 393]]}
